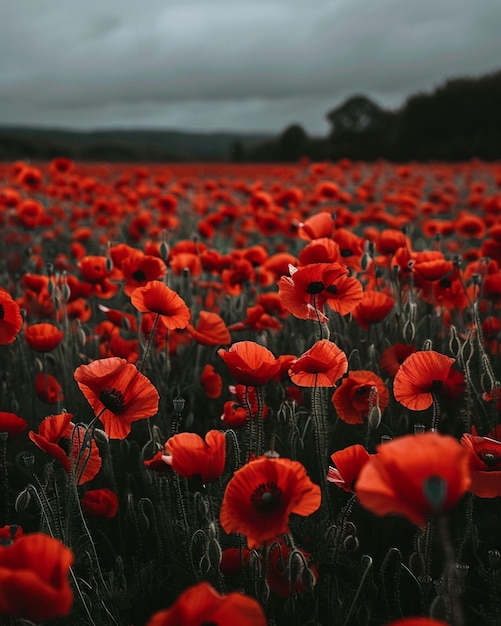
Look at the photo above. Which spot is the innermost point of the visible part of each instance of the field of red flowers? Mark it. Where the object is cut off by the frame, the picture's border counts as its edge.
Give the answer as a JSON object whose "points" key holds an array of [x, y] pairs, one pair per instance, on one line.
{"points": [[252, 395]]}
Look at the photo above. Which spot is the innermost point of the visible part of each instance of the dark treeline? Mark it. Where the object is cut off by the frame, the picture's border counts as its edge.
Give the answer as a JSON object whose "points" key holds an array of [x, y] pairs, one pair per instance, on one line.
{"points": [[458, 121]]}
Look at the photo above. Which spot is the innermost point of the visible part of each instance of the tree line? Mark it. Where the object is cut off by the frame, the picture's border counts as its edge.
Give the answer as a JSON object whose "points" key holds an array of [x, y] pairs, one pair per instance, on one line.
{"points": [[460, 120]]}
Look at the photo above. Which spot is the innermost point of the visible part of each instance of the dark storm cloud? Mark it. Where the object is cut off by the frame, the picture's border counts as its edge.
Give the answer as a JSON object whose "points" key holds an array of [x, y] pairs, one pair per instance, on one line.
{"points": [[230, 64]]}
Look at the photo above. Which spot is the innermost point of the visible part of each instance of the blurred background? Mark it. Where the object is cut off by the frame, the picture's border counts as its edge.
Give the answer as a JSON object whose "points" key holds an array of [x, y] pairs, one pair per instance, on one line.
{"points": [[268, 80]]}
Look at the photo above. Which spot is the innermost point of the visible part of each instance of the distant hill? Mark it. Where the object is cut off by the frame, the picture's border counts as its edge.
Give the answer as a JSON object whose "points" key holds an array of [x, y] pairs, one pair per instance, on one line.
{"points": [[125, 145]]}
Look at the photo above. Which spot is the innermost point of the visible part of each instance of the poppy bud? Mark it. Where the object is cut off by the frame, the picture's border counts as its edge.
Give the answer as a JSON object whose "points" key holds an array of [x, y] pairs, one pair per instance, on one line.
{"points": [[374, 417], [494, 559]]}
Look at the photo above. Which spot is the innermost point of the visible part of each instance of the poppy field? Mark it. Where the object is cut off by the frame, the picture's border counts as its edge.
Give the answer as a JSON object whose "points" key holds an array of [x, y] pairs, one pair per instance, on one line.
{"points": [[250, 394]]}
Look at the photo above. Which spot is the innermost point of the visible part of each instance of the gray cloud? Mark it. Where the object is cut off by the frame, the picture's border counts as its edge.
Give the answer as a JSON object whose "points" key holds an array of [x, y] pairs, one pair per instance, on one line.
{"points": [[230, 64]]}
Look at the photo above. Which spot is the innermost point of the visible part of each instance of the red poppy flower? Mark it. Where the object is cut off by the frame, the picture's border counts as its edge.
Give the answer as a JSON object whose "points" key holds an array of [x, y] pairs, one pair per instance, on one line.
{"points": [[323, 250], [415, 476], [120, 319], [261, 496], [100, 503], [11, 423], [190, 455], [84, 455], [211, 381], [372, 308], [94, 269], [118, 393], [234, 415], [320, 366], [202, 604], [351, 247], [211, 330], [10, 318], [317, 226], [485, 464], [29, 177], [43, 337], [420, 376], [233, 560], [185, 261], [348, 465], [257, 319], [306, 291], [34, 578], [432, 270], [393, 357], [352, 398], [30, 213], [140, 269], [156, 297], [389, 240], [250, 363]]}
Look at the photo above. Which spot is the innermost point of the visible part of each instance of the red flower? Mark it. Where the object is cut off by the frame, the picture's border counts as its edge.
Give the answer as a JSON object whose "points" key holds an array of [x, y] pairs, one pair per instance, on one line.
{"points": [[84, 455], [250, 363], [10, 318], [323, 250], [34, 578], [201, 604], [320, 366], [118, 393], [348, 465], [317, 226], [139, 269], [30, 213], [393, 357], [211, 381], [48, 389], [11, 423], [189, 455], [155, 297], [309, 288], [43, 337], [261, 496], [351, 398], [211, 330], [420, 376], [415, 476], [234, 415], [485, 464], [372, 308], [233, 560], [100, 503]]}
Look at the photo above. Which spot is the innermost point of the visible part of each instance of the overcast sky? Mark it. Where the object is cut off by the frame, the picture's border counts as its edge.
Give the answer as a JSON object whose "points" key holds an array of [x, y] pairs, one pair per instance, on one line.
{"points": [[230, 64]]}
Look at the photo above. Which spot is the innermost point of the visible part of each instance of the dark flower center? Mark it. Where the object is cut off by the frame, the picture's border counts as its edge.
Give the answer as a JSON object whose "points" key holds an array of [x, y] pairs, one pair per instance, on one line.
{"points": [[436, 385], [345, 252], [266, 498], [362, 393], [489, 457], [332, 289], [435, 491], [139, 276], [113, 399], [2, 312], [315, 287]]}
